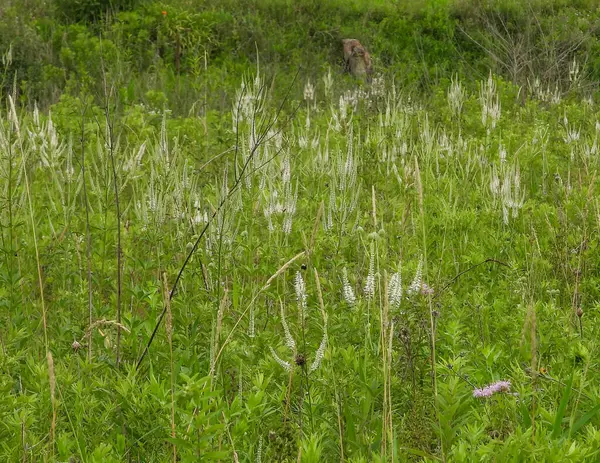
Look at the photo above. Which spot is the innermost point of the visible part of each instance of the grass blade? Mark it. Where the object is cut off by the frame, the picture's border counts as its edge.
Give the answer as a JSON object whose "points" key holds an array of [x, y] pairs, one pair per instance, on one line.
{"points": [[560, 413], [582, 421]]}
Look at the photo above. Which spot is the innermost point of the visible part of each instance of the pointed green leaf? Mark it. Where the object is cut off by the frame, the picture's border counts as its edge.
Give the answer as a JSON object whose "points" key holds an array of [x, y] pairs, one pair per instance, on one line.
{"points": [[560, 413], [582, 421]]}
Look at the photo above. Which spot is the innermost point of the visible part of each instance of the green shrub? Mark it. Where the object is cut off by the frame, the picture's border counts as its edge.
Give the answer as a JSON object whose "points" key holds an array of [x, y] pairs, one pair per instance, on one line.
{"points": [[89, 11]]}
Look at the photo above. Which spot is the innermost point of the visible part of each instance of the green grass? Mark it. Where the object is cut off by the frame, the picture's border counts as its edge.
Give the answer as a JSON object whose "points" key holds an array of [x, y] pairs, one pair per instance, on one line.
{"points": [[310, 269], [501, 219]]}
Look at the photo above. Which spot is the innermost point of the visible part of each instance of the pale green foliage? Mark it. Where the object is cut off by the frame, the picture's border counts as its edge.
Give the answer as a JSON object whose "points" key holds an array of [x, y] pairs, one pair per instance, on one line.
{"points": [[488, 202]]}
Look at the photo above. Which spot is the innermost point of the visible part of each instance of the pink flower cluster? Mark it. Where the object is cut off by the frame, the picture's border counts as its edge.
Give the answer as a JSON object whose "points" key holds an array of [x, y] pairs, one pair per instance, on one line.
{"points": [[490, 390], [426, 290]]}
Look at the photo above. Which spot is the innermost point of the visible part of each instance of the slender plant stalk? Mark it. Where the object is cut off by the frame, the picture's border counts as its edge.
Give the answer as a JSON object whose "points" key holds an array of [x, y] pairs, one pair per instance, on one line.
{"points": [[169, 328], [235, 454], [32, 218], [72, 426], [111, 150], [288, 395], [51, 375], [52, 383], [338, 411], [534, 367], [305, 372], [432, 324], [389, 390], [217, 333], [310, 247], [110, 141], [88, 235], [325, 319], [11, 231], [383, 344]]}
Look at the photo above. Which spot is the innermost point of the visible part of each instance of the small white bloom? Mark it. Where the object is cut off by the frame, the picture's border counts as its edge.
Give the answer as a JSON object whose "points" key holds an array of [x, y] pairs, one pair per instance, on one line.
{"points": [[415, 286], [309, 91], [289, 340], [300, 290], [251, 332], [370, 284], [347, 290], [395, 290], [259, 450], [320, 352], [286, 365]]}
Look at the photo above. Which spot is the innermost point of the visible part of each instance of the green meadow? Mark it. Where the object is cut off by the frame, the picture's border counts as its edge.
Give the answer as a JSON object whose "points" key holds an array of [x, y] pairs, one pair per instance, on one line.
{"points": [[216, 245]]}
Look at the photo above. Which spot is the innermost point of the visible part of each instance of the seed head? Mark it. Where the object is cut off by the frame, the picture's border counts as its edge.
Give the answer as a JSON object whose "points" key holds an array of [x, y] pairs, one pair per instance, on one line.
{"points": [[300, 360]]}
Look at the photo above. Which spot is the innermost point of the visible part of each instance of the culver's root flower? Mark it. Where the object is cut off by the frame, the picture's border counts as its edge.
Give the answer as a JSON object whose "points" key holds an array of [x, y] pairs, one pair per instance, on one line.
{"points": [[289, 340], [370, 284], [259, 450], [491, 389], [286, 365], [347, 290], [309, 91], [395, 290], [320, 351], [299, 358], [415, 286], [251, 329], [300, 288]]}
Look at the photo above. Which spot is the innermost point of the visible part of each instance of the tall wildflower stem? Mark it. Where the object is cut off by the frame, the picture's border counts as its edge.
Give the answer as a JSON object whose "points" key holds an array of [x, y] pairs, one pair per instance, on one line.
{"points": [[49, 359], [534, 367], [305, 373], [169, 327], [110, 142], [315, 230], [118, 214], [432, 325], [15, 121], [386, 337], [338, 411], [88, 235], [288, 395], [382, 334], [11, 231]]}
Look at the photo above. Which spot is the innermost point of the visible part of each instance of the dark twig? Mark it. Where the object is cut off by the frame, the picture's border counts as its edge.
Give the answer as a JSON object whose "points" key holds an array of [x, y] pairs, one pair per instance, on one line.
{"points": [[451, 282]]}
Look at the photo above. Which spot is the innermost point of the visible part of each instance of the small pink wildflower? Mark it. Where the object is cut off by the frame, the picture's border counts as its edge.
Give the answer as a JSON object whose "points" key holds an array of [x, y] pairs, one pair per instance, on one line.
{"points": [[426, 290], [490, 390]]}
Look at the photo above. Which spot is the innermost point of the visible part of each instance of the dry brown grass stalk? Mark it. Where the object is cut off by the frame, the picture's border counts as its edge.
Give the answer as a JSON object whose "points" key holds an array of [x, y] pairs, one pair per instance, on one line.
{"points": [[103, 322]]}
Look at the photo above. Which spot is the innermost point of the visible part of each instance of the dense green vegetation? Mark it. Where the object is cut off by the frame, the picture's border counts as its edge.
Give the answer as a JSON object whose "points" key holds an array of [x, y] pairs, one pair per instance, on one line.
{"points": [[216, 246], [176, 51]]}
